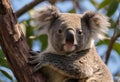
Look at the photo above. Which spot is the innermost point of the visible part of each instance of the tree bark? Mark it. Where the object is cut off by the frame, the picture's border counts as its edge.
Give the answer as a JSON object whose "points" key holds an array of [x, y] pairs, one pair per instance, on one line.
{"points": [[14, 45]]}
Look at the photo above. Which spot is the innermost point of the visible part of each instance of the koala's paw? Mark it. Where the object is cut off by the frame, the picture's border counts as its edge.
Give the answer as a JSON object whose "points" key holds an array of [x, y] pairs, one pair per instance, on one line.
{"points": [[38, 59], [34, 53], [34, 57], [39, 66]]}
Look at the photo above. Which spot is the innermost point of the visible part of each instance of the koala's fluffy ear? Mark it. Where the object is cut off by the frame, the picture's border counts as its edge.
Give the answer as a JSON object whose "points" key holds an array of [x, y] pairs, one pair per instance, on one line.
{"points": [[97, 23], [44, 17]]}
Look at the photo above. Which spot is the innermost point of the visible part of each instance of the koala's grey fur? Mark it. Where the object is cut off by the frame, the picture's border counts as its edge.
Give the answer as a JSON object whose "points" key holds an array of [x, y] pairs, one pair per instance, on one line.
{"points": [[71, 55]]}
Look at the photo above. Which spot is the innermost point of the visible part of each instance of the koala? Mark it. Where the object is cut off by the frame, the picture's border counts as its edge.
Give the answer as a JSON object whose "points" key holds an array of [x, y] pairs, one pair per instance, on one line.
{"points": [[70, 55]]}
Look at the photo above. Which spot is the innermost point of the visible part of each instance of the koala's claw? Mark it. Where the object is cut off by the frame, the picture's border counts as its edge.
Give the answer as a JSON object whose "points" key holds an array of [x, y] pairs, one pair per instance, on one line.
{"points": [[38, 59], [38, 66], [32, 57], [34, 61], [34, 53]]}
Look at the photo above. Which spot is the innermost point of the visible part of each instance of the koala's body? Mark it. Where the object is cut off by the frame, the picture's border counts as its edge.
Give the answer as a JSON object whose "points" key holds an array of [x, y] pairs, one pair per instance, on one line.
{"points": [[71, 55]]}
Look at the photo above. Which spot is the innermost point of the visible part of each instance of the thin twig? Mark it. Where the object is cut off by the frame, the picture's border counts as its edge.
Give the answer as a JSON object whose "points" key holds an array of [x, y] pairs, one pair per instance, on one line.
{"points": [[76, 5], [27, 7], [113, 39]]}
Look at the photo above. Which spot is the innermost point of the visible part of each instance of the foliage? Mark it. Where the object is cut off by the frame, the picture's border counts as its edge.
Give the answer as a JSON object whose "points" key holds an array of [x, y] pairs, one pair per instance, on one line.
{"points": [[116, 45], [109, 6]]}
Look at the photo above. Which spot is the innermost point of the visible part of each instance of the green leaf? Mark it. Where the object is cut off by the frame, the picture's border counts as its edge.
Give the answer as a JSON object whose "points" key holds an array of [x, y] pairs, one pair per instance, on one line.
{"points": [[3, 60], [6, 74], [116, 45], [104, 3], [112, 8], [28, 31], [106, 42], [1, 54], [72, 11], [94, 3], [44, 41]]}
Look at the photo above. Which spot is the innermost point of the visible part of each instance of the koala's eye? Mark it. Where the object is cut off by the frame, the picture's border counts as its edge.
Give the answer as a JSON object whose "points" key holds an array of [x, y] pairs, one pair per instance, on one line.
{"points": [[60, 31], [80, 32]]}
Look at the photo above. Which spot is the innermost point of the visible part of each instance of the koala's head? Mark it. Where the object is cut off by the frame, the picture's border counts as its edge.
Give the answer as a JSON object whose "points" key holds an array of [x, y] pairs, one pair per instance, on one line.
{"points": [[70, 32]]}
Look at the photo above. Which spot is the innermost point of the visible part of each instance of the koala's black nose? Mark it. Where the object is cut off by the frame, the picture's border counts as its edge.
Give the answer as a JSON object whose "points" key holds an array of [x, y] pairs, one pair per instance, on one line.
{"points": [[69, 36]]}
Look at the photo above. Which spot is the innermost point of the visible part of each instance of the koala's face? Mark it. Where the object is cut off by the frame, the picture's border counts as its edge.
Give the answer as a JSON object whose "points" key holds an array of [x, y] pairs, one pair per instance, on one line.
{"points": [[70, 32], [67, 34]]}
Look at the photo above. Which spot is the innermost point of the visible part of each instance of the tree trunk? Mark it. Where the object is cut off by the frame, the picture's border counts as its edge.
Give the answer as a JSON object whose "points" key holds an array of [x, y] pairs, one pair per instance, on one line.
{"points": [[14, 45]]}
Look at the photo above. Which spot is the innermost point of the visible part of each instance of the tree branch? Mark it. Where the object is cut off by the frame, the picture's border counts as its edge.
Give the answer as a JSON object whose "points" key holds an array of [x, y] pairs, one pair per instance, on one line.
{"points": [[113, 39], [14, 45], [27, 7], [76, 5]]}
